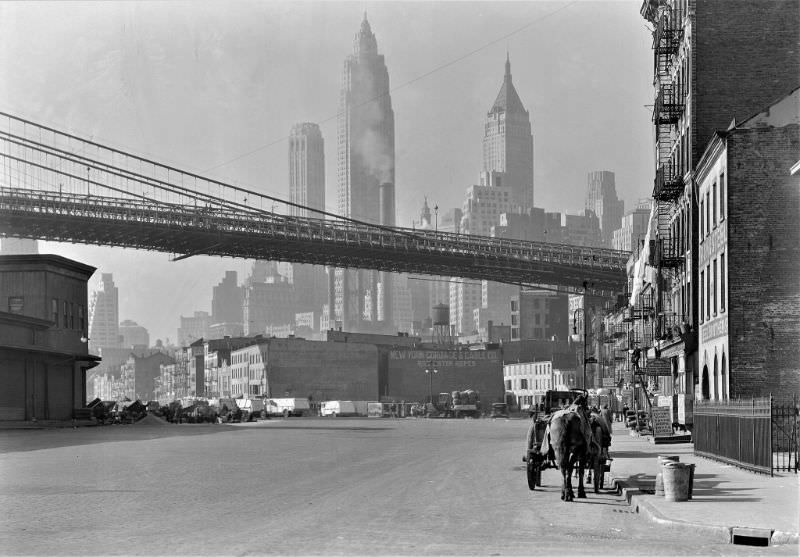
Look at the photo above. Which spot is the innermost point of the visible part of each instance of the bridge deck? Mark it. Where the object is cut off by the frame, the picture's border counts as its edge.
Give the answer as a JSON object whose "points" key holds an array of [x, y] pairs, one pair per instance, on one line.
{"points": [[186, 229]]}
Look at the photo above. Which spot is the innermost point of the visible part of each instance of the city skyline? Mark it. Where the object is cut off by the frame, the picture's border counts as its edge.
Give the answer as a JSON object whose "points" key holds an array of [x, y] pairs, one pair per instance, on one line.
{"points": [[149, 71]]}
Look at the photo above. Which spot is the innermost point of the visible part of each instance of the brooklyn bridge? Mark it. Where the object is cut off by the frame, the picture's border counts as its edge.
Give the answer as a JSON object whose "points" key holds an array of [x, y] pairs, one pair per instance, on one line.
{"points": [[60, 187]]}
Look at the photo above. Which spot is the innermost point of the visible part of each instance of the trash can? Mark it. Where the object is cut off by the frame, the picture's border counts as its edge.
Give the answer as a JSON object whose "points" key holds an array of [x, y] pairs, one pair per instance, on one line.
{"points": [[662, 458], [691, 479], [676, 481]]}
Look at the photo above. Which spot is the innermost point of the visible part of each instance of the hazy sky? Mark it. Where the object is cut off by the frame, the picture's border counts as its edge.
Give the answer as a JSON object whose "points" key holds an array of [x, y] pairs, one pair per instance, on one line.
{"points": [[215, 87]]}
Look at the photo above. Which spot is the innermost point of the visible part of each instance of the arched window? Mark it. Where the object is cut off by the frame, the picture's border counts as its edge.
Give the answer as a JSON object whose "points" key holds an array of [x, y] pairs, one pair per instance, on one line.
{"points": [[717, 390], [725, 378], [704, 383]]}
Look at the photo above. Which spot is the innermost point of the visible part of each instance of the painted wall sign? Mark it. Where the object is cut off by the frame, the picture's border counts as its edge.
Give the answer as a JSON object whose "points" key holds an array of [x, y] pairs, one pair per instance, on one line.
{"points": [[712, 329]]}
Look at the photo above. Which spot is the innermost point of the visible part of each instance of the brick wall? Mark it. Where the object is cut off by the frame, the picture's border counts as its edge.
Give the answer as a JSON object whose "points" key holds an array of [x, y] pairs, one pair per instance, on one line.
{"points": [[764, 260], [746, 55], [323, 370], [456, 370]]}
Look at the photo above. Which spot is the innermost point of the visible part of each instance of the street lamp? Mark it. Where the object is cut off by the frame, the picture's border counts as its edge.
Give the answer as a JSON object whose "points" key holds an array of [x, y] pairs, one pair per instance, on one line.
{"points": [[430, 370]]}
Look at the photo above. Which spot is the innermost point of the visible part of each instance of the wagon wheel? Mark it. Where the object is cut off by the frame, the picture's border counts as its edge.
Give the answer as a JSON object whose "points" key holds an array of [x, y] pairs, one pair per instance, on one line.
{"points": [[534, 475]]}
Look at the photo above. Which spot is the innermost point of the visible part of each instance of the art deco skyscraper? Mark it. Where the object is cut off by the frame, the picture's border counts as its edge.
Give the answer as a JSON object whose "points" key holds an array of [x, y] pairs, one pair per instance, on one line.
{"points": [[307, 187], [365, 174], [508, 145], [104, 315], [306, 169], [601, 198]]}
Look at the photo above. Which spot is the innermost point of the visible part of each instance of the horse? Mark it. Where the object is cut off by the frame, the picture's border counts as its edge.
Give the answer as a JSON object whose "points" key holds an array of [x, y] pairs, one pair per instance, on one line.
{"points": [[598, 451], [567, 445]]}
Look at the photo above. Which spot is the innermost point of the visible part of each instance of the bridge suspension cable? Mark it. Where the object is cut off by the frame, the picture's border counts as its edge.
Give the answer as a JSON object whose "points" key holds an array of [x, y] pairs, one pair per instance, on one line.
{"points": [[58, 186]]}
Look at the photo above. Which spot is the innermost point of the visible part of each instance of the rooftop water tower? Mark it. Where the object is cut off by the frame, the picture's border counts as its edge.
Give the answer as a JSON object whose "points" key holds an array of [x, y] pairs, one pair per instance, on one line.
{"points": [[441, 325]]}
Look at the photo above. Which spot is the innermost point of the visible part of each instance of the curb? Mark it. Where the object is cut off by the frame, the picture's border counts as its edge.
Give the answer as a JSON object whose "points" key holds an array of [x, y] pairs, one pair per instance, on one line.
{"points": [[722, 534]]}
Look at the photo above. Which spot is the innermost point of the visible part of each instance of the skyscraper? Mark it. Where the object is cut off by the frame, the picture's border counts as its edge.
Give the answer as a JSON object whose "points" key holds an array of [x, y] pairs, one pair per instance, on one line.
{"points": [[365, 173], [306, 169], [104, 315], [508, 145], [307, 187], [601, 198], [226, 302]]}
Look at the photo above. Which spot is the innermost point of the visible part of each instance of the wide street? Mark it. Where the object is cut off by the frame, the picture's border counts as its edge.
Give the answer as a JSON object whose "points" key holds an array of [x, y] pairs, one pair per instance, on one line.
{"points": [[306, 486]]}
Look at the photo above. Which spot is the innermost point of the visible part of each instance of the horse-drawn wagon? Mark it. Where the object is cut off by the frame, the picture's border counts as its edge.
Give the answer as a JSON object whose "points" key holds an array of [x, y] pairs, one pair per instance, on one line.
{"points": [[592, 456]]}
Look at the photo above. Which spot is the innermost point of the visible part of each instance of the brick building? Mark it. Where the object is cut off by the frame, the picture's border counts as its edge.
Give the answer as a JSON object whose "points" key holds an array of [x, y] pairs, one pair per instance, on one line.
{"points": [[749, 256], [305, 369], [712, 65]]}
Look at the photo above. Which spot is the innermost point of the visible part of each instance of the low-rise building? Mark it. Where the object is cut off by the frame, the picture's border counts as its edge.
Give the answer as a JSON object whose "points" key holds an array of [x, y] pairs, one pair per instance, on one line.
{"points": [[749, 256], [528, 382], [44, 355], [299, 368]]}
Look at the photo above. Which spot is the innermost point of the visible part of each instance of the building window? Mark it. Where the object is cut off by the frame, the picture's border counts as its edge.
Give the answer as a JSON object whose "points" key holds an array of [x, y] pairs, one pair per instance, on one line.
{"points": [[714, 286], [702, 290], [722, 282], [71, 315], [81, 321], [708, 214], [722, 196], [66, 315], [54, 310], [702, 228], [708, 291], [15, 304], [714, 202]]}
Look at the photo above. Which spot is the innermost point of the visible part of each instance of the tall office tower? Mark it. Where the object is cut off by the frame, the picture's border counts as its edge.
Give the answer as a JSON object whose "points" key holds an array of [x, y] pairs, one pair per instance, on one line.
{"points": [[535, 225], [226, 303], [306, 169], [104, 315], [633, 228], [307, 187], [365, 174], [484, 204], [194, 328], [582, 229], [465, 297], [601, 198], [508, 145], [133, 334]]}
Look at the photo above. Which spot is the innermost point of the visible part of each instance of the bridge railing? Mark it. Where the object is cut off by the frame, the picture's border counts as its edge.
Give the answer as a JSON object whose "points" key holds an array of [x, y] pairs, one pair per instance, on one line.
{"points": [[306, 228]]}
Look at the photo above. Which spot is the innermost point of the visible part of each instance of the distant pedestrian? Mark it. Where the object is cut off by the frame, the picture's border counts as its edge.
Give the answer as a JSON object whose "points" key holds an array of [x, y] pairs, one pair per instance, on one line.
{"points": [[607, 416]]}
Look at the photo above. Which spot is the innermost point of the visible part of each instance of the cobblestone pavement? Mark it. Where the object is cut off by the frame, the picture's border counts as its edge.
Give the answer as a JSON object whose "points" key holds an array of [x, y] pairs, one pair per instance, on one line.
{"points": [[307, 486]]}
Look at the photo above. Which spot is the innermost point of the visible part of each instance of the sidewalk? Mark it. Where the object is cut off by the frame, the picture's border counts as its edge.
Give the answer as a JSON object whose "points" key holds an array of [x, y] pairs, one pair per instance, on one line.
{"points": [[726, 500]]}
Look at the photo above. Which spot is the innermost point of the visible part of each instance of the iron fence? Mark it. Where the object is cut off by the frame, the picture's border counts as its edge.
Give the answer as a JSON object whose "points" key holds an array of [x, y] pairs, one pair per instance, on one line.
{"points": [[758, 434]]}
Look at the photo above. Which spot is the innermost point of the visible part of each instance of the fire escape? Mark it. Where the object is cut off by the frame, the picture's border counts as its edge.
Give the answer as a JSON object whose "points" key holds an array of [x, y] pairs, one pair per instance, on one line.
{"points": [[667, 112], [668, 187], [655, 321]]}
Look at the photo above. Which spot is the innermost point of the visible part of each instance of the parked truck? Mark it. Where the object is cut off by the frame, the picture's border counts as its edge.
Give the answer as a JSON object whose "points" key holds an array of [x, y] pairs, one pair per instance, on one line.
{"points": [[457, 404], [466, 403], [288, 407], [336, 408]]}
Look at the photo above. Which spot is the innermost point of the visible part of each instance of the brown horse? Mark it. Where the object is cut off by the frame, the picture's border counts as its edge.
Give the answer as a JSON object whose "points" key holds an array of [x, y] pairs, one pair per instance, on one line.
{"points": [[566, 444]]}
